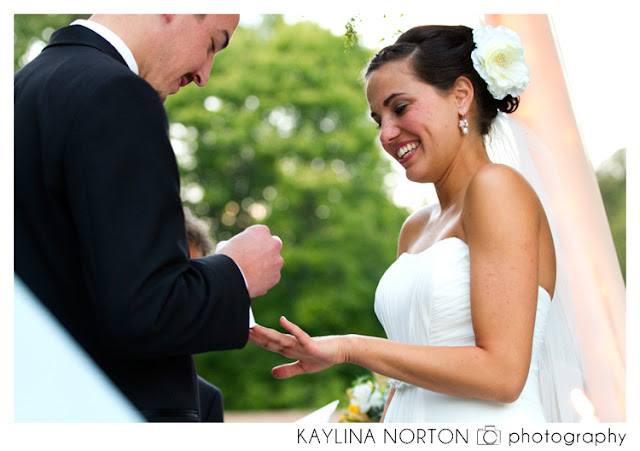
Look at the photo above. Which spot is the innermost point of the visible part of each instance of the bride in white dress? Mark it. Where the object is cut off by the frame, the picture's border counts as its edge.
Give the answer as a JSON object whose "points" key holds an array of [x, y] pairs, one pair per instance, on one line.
{"points": [[466, 303]]}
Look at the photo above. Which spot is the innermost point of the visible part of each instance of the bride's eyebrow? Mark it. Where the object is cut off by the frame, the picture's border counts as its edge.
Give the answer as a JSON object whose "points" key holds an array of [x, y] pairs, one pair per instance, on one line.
{"points": [[386, 102], [391, 97]]}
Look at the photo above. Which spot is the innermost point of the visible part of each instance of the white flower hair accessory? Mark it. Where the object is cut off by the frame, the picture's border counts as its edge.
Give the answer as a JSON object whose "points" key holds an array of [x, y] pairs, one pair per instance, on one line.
{"points": [[499, 59]]}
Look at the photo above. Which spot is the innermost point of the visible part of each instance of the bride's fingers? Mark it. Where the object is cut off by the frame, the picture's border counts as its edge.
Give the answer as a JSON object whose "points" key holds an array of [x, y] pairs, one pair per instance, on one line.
{"points": [[274, 336], [287, 370], [264, 343], [257, 339], [297, 332]]}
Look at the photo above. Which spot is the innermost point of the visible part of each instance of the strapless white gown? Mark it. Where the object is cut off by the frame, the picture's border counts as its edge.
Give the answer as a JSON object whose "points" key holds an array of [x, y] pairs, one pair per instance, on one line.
{"points": [[424, 299]]}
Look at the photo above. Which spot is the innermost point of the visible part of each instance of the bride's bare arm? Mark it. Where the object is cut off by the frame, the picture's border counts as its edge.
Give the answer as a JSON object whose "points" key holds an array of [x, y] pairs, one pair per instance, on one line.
{"points": [[460, 371], [501, 227]]}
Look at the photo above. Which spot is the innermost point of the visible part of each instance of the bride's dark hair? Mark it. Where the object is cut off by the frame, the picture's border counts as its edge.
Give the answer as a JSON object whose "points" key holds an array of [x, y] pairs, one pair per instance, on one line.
{"points": [[439, 55]]}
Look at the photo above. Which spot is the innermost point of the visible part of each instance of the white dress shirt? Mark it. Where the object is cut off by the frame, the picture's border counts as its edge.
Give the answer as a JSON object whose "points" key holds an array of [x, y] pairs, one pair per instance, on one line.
{"points": [[113, 39]]}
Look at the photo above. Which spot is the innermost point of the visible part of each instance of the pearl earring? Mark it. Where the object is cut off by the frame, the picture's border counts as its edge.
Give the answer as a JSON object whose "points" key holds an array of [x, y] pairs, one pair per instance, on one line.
{"points": [[464, 125]]}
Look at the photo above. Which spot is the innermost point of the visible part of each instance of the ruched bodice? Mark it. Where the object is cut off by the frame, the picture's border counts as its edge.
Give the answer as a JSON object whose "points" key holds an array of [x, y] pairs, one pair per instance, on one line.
{"points": [[425, 299]]}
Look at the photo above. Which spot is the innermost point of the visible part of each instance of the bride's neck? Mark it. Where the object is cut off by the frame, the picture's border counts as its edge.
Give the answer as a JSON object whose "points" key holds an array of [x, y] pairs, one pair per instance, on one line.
{"points": [[452, 187]]}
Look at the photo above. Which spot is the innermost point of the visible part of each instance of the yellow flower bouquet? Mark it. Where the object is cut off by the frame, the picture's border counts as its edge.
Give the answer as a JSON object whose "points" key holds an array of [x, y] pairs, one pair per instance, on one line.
{"points": [[367, 398]]}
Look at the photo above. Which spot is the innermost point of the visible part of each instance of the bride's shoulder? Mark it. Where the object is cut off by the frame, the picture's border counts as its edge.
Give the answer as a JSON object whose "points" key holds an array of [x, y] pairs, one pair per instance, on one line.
{"points": [[499, 181], [415, 225], [420, 218], [496, 190]]}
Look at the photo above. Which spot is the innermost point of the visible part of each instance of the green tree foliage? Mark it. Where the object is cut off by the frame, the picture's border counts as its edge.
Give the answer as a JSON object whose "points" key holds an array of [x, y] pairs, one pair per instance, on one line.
{"points": [[281, 135], [32, 31], [612, 179]]}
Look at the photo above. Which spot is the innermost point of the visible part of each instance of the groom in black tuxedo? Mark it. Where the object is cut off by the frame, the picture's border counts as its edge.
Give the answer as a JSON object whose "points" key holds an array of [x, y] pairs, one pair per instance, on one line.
{"points": [[99, 228]]}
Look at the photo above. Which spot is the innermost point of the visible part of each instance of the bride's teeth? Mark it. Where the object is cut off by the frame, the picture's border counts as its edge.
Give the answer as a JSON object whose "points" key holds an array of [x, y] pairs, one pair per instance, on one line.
{"points": [[404, 150]]}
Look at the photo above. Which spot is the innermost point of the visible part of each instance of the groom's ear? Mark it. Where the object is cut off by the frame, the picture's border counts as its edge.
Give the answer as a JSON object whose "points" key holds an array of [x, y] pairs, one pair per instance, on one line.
{"points": [[463, 94]]}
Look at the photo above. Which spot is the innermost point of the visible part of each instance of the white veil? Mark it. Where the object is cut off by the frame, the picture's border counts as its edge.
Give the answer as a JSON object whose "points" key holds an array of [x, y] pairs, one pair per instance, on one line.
{"points": [[584, 349], [562, 359], [561, 368]]}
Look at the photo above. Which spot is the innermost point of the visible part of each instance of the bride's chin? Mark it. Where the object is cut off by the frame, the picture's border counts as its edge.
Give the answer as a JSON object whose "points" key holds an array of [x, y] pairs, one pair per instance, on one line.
{"points": [[417, 177]]}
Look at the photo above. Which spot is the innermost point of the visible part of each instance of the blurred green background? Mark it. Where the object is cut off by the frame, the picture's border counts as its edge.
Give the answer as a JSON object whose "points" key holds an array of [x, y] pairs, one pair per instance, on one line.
{"points": [[282, 136]]}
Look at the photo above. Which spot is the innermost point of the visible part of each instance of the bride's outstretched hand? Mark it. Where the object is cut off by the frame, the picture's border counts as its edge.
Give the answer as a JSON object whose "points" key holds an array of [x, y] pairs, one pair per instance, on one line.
{"points": [[312, 354]]}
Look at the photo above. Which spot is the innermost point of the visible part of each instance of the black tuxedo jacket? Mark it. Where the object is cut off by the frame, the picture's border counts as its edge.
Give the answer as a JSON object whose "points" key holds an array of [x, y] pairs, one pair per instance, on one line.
{"points": [[99, 229]]}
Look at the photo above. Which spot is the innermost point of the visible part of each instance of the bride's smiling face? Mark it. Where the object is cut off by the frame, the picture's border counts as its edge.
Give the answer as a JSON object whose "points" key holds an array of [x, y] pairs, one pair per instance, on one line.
{"points": [[418, 124]]}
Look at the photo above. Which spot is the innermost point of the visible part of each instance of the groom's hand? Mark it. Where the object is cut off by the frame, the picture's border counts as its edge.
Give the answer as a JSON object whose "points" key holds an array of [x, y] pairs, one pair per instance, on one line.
{"points": [[257, 254]]}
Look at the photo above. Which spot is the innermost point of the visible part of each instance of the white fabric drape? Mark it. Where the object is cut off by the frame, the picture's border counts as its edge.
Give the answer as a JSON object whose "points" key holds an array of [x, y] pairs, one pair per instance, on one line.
{"points": [[586, 343]]}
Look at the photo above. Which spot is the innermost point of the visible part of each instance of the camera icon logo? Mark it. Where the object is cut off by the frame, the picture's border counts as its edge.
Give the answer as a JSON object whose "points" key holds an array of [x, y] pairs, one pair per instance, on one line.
{"points": [[489, 435]]}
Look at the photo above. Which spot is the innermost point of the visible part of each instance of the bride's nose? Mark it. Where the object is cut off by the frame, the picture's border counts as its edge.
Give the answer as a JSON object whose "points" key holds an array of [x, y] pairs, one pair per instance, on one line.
{"points": [[389, 131]]}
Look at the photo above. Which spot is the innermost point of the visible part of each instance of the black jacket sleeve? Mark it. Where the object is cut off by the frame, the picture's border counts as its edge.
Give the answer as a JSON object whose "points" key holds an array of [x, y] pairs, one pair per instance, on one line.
{"points": [[124, 195]]}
